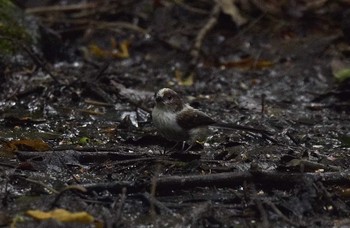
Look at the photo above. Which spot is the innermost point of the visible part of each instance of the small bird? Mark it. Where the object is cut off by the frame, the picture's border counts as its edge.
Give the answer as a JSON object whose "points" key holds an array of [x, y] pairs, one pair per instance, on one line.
{"points": [[178, 121]]}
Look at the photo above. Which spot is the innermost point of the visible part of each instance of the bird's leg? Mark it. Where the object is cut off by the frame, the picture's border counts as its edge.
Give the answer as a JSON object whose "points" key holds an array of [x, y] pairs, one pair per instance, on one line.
{"points": [[163, 151], [188, 148], [172, 148], [183, 146]]}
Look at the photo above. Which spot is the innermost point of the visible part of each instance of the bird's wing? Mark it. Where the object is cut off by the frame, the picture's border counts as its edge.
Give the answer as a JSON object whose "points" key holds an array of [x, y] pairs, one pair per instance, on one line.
{"points": [[191, 118]]}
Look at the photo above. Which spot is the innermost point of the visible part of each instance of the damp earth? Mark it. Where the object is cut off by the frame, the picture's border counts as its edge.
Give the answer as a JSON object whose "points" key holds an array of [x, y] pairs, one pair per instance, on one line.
{"points": [[77, 84]]}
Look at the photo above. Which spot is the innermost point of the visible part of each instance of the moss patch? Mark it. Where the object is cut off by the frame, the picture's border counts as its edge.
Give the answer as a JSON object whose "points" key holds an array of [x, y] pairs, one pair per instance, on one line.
{"points": [[12, 28]]}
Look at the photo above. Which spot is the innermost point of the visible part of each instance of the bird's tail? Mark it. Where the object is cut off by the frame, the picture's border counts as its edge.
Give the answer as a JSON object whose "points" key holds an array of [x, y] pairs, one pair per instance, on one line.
{"points": [[241, 128]]}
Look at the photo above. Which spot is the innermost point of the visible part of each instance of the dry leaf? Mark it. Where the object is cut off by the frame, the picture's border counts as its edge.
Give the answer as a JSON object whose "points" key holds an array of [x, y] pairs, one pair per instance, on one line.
{"points": [[229, 8], [248, 63], [25, 145], [123, 51], [182, 80], [62, 215], [120, 50]]}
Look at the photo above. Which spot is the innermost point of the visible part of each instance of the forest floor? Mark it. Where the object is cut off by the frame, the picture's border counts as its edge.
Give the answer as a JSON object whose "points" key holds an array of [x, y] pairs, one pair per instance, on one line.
{"points": [[76, 126]]}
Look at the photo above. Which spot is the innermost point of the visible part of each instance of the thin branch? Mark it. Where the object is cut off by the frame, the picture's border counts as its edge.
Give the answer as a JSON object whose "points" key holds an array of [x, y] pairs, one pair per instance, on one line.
{"points": [[60, 8], [229, 179], [121, 204], [260, 207], [203, 32], [38, 183]]}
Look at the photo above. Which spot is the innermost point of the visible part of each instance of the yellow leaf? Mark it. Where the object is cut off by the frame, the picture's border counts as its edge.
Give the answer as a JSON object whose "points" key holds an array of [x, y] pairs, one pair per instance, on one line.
{"points": [[62, 215], [30, 145], [97, 51], [182, 80], [123, 51], [229, 8], [248, 63], [116, 50], [13, 146]]}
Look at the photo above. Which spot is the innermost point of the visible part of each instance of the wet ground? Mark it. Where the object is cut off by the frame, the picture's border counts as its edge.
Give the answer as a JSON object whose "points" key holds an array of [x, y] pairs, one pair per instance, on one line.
{"points": [[76, 129]]}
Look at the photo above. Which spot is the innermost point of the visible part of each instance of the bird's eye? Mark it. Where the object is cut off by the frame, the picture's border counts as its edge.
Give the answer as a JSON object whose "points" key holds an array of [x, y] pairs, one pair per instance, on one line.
{"points": [[169, 98]]}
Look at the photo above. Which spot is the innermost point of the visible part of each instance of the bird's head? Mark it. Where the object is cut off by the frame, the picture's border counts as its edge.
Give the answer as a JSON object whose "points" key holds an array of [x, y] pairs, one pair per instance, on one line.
{"points": [[168, 99]]}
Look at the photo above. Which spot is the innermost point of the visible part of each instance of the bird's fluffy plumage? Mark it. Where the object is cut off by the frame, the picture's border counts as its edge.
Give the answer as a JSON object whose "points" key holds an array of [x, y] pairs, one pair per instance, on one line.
{"points": [[178, 121]]}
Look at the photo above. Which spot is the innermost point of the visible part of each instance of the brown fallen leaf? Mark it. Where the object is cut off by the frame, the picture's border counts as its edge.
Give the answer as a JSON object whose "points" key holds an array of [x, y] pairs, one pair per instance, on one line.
{"points": [[248, 63], [117, 50], [183, 80], [62, 215], [25, 145], [228, 7]]}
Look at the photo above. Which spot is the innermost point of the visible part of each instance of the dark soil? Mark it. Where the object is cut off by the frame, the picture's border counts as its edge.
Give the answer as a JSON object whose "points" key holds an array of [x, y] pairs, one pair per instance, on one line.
{"points": [[76, 126]]}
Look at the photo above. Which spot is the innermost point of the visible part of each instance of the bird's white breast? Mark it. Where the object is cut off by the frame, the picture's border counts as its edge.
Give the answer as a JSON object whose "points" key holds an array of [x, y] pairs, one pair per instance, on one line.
{"points": [[165, 122]]}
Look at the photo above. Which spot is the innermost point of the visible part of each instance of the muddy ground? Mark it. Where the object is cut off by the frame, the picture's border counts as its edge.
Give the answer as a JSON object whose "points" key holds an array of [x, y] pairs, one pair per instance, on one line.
{"points": [[76, 128]]}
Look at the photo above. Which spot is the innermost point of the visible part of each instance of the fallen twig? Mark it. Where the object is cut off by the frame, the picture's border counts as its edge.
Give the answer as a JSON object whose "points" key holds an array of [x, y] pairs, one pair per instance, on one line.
{"points": [[83, 156], [202, 33], [153, 202], [281, 215], [66, 189], [190, 8], [121, 204], [60, 8], [269, 179], [257, 201], [42, 184]]}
